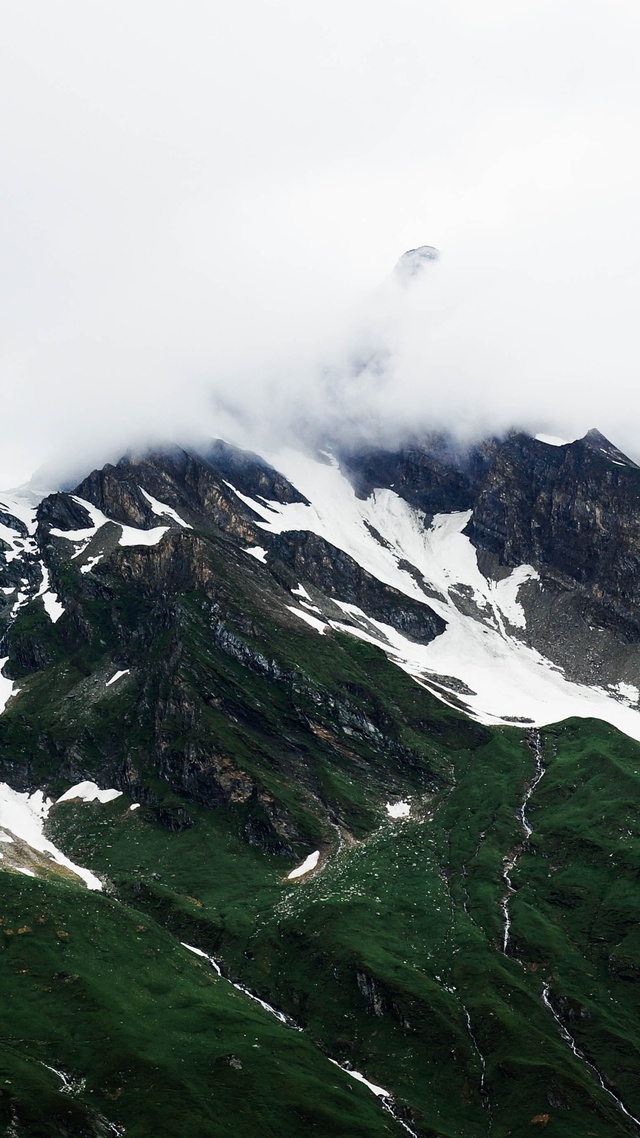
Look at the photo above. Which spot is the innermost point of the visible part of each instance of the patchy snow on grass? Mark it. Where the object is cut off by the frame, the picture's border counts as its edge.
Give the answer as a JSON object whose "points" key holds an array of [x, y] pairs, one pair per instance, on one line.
{"points": [[161, 510], [398, 809], [24, 815], [258, 552], [379, 1091], [308, 864], [205, 956], [319, 625], [116, 677], [88, 792]]}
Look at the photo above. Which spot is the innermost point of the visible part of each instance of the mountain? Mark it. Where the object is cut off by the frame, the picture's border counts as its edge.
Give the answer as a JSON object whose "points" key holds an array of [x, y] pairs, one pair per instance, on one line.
{"points": [[318, 812]]}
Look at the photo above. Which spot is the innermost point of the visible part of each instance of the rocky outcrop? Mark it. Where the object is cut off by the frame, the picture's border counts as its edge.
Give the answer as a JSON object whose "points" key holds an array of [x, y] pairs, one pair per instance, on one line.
{"points": [[573, 512], [303, 556]]}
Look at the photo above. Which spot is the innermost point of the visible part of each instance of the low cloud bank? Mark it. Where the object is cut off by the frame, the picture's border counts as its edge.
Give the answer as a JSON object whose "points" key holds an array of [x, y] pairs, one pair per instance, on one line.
{"points": [[201, 212]]}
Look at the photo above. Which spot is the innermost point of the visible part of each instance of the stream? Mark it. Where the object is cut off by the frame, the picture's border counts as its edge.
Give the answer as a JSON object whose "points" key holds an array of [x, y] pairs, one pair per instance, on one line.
{"points": [[509, 864], [568, 1038], [383, 1096], [511, 859]]}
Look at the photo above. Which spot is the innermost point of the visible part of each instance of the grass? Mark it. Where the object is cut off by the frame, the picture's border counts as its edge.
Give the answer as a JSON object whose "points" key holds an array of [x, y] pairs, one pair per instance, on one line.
{"points": [[389, 957]]}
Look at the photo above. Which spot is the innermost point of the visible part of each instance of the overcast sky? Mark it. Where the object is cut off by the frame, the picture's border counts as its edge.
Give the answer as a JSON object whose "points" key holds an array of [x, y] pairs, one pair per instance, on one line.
{"points": [[201, 205]]}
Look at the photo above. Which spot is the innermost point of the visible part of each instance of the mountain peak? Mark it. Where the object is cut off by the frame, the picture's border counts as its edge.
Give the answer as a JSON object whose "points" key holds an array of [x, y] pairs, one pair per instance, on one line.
{"points": [[414, 261], [596, 441]]}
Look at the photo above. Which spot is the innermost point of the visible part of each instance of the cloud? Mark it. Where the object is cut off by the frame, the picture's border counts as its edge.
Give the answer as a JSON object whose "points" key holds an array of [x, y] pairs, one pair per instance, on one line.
{"points": [[201, 208]]}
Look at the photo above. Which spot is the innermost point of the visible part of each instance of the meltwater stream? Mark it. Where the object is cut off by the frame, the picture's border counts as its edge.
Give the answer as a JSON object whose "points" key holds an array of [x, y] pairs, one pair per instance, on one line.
{"points": [[511, 860], [385, 1099], [568, 1038], [509, 863]]}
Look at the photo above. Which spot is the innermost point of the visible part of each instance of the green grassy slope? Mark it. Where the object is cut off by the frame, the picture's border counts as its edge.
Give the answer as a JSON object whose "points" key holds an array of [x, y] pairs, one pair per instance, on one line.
{"points": [[251, 741]]}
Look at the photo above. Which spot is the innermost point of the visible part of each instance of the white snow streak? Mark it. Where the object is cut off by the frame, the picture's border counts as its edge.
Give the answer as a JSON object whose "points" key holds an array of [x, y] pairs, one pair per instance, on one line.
{"points": [[161, 510], [319, 625], [379, 1091], [114, 678], [308, 864]]}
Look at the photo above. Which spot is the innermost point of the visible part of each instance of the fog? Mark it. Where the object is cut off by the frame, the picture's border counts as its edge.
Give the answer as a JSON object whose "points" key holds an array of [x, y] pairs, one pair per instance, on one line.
{"points": [[201, 211]]}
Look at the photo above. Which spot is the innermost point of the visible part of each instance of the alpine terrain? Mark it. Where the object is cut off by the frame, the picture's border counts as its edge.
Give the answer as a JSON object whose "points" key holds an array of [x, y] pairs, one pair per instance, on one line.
{"points": [[319, 791]]}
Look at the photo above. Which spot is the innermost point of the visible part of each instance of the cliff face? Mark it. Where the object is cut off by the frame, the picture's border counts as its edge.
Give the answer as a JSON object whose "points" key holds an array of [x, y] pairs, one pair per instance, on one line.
{"points": [[574, 513]]}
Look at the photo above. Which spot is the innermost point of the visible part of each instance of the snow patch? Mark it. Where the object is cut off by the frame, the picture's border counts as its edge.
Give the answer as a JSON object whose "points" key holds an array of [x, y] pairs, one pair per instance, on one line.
{"points": [[24, 815], [90, 563], [308, 864], [301, 592], [258, 552], [131, 536], [52, 607], [114, 678], [135, 806], [379, 1091], [88, 792], [161, 509], [319, 625], [552, 440], [398, 809], [128, 534]]}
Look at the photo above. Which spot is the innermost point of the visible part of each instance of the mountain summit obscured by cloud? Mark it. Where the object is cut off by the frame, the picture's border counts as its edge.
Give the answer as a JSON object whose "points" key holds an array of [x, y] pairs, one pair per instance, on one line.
{"points": [[202, 208]]}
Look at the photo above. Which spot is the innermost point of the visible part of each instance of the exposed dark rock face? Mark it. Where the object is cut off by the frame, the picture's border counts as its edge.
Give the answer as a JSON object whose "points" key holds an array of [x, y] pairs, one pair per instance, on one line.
{"points": [[574, 513], [434, 474], [251, 474], [61, 511], [312, 559], [194, 485]]}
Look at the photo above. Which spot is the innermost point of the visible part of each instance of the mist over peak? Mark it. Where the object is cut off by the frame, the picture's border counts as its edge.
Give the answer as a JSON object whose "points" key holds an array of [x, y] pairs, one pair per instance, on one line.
{"points": [[179, 264], [414, 261]]}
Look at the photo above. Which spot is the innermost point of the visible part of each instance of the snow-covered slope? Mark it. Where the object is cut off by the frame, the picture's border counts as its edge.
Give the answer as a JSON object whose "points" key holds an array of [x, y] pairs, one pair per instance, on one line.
{"points": [[480, 661]]}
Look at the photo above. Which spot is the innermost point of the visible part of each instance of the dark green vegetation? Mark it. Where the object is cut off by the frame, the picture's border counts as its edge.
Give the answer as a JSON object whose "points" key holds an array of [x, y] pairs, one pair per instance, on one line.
{"points": [[251, 741]]}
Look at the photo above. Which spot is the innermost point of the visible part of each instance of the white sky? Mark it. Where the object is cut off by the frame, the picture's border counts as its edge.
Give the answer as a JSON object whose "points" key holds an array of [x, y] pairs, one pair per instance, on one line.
{"points": [[202, 202]]}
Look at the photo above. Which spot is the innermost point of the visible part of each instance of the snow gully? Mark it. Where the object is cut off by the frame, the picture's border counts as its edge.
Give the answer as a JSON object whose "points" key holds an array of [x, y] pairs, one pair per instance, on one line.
{"points": [[511, 860]]}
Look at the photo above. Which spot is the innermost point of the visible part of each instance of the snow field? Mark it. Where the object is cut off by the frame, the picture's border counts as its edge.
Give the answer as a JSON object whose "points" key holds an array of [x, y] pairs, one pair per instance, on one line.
{"points": [[509, 681]]}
